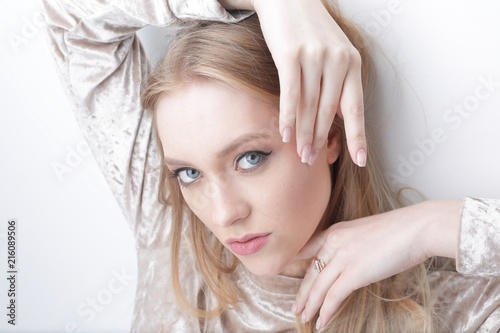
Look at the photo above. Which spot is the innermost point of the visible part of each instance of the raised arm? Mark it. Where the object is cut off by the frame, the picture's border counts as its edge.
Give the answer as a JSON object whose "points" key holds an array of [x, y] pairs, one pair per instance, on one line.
{"points": [[101, 64]]}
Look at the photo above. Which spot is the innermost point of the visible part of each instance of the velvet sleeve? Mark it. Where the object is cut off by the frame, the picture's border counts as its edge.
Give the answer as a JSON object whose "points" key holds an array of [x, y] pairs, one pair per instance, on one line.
{"points": [[479, 243], [469, 301]]}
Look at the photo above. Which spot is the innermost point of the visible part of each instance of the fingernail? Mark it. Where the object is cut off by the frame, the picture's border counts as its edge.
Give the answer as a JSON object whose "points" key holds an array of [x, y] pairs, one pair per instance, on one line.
{"points": [[294, 308], [361, 158], [287, 134], [303, 318], [319, 324], [306, 153], [314, 156]]}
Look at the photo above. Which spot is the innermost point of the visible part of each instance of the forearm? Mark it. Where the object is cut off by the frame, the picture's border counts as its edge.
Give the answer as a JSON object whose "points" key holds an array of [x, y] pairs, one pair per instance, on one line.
{"points": [[128, 16], [237, 4], [440, 222], [468, 231]]}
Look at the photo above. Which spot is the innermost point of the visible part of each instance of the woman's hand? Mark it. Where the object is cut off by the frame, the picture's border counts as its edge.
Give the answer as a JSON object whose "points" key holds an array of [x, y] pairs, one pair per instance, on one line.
{"points": [[367, 250], [320, 74]]}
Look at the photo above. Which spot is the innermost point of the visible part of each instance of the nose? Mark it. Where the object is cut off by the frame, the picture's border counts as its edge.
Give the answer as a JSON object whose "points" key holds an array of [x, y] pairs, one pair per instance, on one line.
{"points": [[228, 205]]}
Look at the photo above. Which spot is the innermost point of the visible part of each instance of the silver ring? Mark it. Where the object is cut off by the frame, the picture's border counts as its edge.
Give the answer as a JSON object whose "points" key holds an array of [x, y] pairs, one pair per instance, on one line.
{"points": [[319, 265]]}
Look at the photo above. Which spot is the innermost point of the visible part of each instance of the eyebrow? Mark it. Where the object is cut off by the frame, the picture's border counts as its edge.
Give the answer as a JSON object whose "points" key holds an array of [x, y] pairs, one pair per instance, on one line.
{"points": [[227, 150]]}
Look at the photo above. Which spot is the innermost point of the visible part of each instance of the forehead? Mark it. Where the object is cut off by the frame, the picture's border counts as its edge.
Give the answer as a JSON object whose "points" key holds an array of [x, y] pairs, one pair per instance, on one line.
{"points": [[205, 115]]}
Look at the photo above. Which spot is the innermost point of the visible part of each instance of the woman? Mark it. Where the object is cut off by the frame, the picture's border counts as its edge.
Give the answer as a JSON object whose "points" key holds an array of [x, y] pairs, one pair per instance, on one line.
{"points": [[227, 164], [228, 184]]}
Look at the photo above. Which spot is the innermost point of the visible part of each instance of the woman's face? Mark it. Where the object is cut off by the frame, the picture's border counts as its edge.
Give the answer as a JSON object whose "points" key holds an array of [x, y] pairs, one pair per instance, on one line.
{"points": [[247, 186]]}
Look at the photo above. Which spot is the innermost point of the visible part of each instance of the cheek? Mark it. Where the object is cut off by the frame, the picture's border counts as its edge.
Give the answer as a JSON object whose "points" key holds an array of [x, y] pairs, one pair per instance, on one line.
{"points": [[198, 202], [308, 201], [300, 194], [210, 202]]}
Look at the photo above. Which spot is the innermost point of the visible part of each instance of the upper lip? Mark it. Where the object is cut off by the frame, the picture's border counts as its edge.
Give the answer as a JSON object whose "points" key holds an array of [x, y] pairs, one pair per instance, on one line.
{"points": [[245, 238]]}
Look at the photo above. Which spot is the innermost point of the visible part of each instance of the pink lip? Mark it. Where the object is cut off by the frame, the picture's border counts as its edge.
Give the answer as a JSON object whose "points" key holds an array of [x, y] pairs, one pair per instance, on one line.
{"points": [[249, 244]]}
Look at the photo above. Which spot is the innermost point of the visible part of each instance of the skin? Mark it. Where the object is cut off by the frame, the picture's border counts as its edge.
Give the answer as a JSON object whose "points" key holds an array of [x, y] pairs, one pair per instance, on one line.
{"points": [[205, 140], [319, 71], [403, 238]]}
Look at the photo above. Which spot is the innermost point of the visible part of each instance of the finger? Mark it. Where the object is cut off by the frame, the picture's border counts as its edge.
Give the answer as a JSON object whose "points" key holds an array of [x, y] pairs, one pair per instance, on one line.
{"points": [[320, 287], [326, 254], [289, 78], [352, 111], [305, 288], [308, 106], [310, 250], [333, 79], [336, 294]]}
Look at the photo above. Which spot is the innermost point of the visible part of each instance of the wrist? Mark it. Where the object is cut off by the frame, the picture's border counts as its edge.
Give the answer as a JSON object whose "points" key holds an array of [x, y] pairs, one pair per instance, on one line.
{"points": [[441, 227]]}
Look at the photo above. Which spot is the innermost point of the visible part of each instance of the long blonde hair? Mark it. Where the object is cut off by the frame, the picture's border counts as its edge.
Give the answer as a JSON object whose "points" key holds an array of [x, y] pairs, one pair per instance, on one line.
{"points": [[236, 55]]}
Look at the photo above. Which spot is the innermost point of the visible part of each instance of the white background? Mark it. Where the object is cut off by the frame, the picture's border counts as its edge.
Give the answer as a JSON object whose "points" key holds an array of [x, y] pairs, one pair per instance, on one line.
{"points": [[76, 260]]}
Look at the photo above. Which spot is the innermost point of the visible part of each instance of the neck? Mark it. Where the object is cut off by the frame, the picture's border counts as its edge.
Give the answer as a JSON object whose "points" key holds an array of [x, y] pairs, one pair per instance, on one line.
{"points": [[296, 269]]}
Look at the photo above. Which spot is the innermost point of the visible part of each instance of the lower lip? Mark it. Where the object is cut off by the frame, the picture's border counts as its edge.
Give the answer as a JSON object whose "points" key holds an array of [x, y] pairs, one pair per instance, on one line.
{"points": [[249, 247]]}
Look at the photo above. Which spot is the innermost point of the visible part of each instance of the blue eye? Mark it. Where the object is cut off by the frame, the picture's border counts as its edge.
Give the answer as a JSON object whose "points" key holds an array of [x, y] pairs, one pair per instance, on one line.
{"points": [[251, 159], [186, 176]]}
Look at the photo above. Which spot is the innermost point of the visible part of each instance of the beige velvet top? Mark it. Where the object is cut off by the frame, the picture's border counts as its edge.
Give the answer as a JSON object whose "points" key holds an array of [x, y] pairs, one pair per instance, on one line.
{"points": [[101, 63]]}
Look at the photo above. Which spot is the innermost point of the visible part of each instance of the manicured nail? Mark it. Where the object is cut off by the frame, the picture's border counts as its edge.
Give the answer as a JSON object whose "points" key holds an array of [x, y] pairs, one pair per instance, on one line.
{"points": [[303, 318], [287, 134], [306, 153], [361, 158], [294, 308], [319, 325], [314, 156]]}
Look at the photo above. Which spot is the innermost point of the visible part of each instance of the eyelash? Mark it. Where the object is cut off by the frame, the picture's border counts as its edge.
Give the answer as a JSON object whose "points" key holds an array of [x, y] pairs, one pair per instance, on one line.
{"points": [[263, 155], [175, 173]]}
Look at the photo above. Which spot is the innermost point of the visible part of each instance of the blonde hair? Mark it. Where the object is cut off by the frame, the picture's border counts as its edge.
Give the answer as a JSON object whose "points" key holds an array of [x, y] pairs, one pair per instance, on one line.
{"points": [[236, 55]]}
